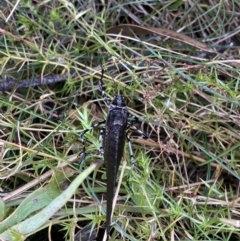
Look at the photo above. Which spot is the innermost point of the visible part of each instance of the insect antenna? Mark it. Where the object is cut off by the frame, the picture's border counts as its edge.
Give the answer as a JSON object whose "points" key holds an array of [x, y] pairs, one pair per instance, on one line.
{"points": [[102, 89]]}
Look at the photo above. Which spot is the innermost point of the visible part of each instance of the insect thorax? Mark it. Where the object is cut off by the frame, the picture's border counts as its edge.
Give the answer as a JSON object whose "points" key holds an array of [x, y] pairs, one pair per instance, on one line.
{"points": [[118, 101]]}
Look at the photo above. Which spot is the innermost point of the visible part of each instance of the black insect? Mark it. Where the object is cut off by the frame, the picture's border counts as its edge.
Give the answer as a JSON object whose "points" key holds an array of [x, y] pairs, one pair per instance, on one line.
{"points": [[113, 137]]}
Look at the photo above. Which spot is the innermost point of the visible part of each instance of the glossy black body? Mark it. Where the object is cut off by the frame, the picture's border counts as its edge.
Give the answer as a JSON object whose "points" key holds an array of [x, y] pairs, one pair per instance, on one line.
{"points": [[114, 137]]}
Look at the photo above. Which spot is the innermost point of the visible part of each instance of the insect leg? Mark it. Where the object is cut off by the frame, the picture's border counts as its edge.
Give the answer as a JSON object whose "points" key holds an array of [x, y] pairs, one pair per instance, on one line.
{"points": [[102, 89], [132, 160], [132, 127], [101, 151], [85, 139]]}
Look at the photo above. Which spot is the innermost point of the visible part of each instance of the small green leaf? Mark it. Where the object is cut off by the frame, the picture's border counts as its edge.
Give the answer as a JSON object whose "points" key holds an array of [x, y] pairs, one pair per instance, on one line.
{"points": [[35, 222], [35, 201], [2, 209]]}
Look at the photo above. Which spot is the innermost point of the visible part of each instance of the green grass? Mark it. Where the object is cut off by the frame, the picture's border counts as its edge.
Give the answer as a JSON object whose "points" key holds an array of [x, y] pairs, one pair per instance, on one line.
{"points": [[186, 182]]}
